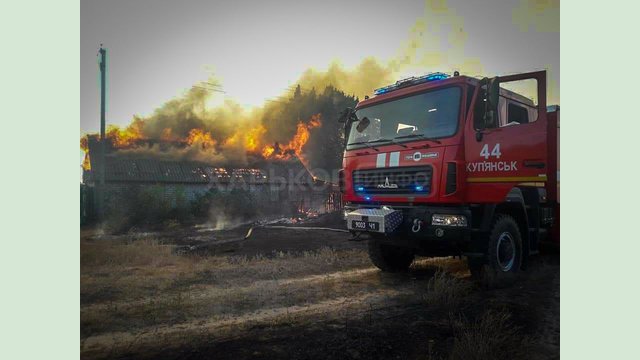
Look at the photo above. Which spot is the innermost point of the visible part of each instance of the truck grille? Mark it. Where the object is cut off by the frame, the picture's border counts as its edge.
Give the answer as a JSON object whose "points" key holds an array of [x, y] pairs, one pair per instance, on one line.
{"points": [[402, 180]]}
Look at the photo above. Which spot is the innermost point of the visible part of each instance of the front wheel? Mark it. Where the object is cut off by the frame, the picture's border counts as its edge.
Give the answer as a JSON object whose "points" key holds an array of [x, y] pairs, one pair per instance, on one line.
{"points": [[390, 258], [503, 255]]}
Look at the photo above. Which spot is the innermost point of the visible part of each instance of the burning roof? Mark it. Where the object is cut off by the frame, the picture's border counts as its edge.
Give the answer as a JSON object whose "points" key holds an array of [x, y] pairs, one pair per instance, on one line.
{"points": [[199, 143], [142, 168]]}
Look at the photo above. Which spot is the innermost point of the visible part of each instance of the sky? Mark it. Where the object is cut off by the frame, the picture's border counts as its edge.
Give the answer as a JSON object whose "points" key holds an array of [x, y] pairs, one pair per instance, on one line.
{"points": [[256, 49]]}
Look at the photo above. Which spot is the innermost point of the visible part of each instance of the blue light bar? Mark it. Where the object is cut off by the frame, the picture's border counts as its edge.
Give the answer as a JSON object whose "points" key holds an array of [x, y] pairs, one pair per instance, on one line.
{"points": [[411, 81], [419, 187], [367, 198], [359, 188], [436, 76], [384, 90]]}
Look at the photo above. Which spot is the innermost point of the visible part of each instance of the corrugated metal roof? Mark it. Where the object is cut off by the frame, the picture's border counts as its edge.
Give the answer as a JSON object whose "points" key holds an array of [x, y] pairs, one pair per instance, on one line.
{"points": [[128, 169]]}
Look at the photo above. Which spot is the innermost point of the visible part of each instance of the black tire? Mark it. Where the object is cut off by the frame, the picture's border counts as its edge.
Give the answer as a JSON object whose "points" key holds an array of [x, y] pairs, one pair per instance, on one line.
{"points": [[389, 258], [503, 256]]}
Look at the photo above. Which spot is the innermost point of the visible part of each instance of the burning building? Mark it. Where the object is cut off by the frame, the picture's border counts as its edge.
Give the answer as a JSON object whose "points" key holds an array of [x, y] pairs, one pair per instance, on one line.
{"points": [[185, 149], [277, 180]]}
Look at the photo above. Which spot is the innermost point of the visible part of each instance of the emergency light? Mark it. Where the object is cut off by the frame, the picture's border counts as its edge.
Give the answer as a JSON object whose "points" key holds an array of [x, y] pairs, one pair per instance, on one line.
{"points": [[411, 81]]}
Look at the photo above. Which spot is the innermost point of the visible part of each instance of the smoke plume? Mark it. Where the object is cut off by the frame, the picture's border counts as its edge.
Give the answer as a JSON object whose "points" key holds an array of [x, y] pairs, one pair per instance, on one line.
{"points": [[302, 121]]}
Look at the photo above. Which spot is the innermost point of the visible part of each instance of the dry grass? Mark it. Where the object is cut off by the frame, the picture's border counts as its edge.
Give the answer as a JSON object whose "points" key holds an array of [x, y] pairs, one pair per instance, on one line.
{"points": [[142, 265], [452, 265], [134, 290], [127, 286], [111, 254], [446, 290], [491, 336]]}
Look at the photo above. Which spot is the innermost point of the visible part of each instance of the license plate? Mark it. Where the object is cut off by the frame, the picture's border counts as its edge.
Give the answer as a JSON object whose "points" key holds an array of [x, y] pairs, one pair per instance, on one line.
{"points": [[365, 225]]}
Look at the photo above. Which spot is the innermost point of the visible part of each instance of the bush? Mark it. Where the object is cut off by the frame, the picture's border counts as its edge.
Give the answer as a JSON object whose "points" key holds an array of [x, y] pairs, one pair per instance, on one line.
{"points": [[235, 204], [200, 205], [150, 206], [146, 206]]}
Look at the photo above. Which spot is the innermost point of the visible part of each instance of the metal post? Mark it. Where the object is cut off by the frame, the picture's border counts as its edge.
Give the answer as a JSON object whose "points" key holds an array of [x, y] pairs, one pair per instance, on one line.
{"points": [[101, 168]]}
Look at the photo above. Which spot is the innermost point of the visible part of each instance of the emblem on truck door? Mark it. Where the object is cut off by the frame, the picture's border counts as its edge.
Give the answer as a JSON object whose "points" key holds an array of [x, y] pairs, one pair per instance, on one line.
{"points": [[387, 185]]}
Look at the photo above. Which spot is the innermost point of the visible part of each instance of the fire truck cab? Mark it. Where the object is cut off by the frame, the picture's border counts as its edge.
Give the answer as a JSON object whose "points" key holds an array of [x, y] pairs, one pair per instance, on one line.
{"points": [[444, 165]]}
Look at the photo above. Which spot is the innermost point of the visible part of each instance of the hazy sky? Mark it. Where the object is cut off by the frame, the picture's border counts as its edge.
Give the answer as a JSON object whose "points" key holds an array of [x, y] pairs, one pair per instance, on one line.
{"points": [[159, 48]]}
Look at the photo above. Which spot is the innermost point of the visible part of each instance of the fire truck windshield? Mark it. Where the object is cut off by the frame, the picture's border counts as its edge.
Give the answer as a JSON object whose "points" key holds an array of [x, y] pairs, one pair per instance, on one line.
{"points": [[432, 114]]}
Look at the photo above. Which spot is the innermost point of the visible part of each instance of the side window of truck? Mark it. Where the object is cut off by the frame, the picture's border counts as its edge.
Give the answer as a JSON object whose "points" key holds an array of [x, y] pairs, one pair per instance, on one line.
{"points": [[516, 115], [502, 111], [521, 101]]}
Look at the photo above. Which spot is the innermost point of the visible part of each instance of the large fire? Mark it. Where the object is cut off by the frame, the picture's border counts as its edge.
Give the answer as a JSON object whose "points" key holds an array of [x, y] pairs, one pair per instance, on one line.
{"points": [[127, 137], [253, 140], [296, 144], [201, 138]]}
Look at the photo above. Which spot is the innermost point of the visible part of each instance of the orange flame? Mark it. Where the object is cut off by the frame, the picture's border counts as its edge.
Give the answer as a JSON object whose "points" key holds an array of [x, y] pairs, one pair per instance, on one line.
{"points": [[86, 163], [122, 138], [84, 146], [117, 137], [268, 151], [167, 135], [200, 137], [252, 140], [296, 144]]}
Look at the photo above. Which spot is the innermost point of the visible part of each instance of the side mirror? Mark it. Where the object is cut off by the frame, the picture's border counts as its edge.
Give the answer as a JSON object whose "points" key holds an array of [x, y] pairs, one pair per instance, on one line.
{"points": [[363, 124], [346, 116], [492, 97]]}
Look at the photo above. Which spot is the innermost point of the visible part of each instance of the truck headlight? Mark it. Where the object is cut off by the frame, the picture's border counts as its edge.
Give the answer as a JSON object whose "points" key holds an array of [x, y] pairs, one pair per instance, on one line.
{"points": [[448, 220]]}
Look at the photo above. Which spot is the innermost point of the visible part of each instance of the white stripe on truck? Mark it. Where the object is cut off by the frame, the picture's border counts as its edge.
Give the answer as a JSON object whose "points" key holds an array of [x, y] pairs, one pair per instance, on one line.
{"points": [[380, 160], [394, 159]]}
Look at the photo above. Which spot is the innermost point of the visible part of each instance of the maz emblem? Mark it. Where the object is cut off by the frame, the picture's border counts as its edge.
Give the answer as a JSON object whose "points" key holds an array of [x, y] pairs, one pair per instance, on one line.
{"points": [[386, 184]]}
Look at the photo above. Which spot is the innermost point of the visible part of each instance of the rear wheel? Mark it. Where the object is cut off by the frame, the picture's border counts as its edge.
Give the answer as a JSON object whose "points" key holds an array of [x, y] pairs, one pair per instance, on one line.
{"points": [[503, 255], [390, 258]]}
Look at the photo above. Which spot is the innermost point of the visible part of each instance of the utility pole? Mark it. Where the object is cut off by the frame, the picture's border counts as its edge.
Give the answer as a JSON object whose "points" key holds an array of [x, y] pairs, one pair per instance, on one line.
{"points": [[103, 75], [101, 169]]}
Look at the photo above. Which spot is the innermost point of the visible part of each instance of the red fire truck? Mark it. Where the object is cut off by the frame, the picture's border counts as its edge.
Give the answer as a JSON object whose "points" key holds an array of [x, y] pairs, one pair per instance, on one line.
{"points": [[444, 165]]}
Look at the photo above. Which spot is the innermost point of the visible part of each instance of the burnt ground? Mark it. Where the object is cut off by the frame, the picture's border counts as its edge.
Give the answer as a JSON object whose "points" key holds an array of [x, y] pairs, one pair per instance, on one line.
{"points": [[266, 238], [301, 294]]}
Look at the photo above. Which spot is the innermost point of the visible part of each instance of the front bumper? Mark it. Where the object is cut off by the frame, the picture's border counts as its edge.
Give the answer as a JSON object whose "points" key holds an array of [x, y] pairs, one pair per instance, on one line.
{"points": [[417, 229]]}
